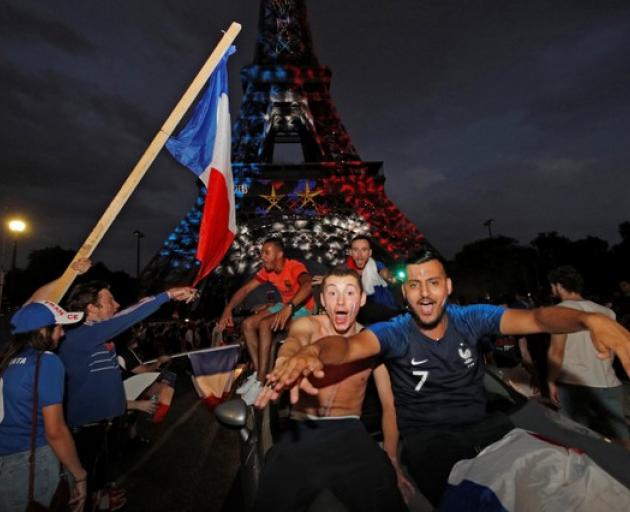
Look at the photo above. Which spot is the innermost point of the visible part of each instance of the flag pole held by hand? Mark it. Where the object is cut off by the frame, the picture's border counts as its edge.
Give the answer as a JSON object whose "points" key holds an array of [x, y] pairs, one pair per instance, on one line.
{"points": [[138, 172]]}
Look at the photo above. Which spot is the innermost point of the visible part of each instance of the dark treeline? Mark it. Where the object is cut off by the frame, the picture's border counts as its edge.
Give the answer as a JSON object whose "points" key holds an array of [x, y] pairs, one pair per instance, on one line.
{"points": [[47, 264], [496, 267], [486, 269]]}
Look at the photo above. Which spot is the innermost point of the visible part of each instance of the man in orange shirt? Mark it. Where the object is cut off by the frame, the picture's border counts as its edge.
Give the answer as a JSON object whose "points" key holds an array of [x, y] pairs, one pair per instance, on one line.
{"points": [[293, 282]]}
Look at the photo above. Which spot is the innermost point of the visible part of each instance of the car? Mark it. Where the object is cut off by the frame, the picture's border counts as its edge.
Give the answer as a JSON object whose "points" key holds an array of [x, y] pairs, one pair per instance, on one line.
{"points": [[258, 429]]}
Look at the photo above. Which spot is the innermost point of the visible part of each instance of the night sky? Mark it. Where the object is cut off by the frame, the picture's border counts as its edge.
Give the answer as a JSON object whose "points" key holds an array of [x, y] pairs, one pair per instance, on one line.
{"points": [[513, 110]]}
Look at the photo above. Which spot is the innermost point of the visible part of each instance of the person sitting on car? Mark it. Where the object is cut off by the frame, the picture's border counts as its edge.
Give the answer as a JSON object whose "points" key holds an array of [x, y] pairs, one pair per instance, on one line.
{"points": [[293, 282], [328, 447], [436, 371]]}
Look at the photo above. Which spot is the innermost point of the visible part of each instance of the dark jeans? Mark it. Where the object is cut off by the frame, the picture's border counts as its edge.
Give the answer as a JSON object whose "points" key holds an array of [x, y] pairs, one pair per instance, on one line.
{"points": [[92, 447], [431, 454], [598, 408], [337, 455]]}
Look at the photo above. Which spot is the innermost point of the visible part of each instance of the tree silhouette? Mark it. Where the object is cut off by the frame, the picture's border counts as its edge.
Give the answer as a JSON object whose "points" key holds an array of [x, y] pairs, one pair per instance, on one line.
{"points": [[494, 267], [48, 263]]}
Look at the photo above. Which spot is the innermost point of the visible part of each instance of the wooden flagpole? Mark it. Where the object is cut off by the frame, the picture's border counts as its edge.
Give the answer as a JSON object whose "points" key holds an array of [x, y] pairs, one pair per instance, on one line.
{"points": [[63, 283]]}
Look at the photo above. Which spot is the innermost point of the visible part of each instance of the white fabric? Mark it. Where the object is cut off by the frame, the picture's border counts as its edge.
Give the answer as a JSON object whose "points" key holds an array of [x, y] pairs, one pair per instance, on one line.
{"points": [[580, 365], [371, 278], [529, 474], [221, 156], [249, 382], [249, 397], [135, 385]]}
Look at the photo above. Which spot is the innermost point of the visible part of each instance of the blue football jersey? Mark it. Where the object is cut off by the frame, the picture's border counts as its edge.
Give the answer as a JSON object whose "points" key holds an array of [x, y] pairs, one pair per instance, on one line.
{"points": [[438, 383]]}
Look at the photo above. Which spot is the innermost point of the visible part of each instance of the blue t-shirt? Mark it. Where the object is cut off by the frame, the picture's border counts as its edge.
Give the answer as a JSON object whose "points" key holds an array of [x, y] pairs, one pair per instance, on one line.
{"points": [[437, 383], [95, 388], [16, 399]]}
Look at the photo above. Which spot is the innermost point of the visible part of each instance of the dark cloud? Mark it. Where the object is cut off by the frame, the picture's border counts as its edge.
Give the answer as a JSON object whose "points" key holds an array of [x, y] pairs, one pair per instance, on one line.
{"points": [[23, 24], [512, 110]]}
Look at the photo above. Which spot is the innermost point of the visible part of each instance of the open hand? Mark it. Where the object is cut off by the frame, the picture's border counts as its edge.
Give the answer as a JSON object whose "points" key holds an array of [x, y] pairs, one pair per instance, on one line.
{"points": [[268, 392], [183, 293], [289, 371], [607, 335]]}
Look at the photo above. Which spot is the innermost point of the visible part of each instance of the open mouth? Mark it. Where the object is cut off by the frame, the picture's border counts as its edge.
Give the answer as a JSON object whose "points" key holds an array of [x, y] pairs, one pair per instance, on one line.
{"points": [[341, 316], [427, 308]]}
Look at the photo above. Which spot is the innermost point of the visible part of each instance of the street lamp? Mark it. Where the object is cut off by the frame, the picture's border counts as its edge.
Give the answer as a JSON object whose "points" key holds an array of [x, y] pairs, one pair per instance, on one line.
{"points": [[488, 224], [16, 226]]}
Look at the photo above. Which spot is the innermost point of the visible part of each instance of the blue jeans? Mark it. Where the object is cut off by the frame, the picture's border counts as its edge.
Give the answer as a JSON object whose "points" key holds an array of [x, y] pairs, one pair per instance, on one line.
{"points": [[14, 470], [598, 408]]}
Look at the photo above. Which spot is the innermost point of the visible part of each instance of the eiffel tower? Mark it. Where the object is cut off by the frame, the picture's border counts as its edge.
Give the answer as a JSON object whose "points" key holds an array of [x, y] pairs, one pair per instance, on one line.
{"points": [[316, 206]]}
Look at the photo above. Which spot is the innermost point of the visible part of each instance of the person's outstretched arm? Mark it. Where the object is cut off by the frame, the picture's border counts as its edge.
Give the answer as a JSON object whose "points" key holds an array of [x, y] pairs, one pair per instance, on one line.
{"points": [[226, 319], [293, 372], [101, 332], [605, 332]]}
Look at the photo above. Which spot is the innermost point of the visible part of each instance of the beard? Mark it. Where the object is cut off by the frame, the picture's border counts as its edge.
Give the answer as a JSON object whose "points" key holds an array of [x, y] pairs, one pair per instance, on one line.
{"points": [[427, 326]]}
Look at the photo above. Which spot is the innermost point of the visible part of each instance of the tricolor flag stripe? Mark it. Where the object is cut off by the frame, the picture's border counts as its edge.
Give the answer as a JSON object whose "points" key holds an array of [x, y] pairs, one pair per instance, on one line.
{"points": [[204, 146]]}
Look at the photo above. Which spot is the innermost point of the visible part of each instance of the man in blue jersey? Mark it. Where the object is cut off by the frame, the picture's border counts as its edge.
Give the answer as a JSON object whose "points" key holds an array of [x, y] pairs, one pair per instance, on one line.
{"points": [[436, 370], [95, 393]]}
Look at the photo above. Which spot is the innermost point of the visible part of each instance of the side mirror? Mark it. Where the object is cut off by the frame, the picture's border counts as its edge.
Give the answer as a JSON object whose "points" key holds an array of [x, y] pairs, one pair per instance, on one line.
{"points": [[232, 413]]}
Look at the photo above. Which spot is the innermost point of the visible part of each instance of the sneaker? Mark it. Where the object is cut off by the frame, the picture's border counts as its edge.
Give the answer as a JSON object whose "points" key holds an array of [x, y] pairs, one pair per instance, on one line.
{"points": [[249, 397], [242, 389]]}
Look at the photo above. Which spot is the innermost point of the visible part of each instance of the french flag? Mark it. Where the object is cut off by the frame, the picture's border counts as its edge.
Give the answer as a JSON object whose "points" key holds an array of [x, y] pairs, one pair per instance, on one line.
{"points": [[204, 146], [214, 372]]}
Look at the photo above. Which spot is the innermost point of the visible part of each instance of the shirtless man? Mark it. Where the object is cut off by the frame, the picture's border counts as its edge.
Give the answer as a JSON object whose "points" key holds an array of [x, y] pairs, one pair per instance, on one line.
{"points": [[328, 447]]}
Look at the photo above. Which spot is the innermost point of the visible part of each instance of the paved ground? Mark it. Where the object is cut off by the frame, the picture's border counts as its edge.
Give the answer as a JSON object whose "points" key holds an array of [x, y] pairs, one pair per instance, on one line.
{"points": [[190, 465]]}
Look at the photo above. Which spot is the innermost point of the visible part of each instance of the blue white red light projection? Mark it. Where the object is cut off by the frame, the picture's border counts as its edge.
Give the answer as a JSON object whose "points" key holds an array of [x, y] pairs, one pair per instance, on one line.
{"points": [[316, 206]]}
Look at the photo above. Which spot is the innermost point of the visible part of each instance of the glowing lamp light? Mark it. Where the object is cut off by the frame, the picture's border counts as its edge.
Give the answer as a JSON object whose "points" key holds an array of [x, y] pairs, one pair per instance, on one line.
{"points": [[17, 226], [401, 275]]}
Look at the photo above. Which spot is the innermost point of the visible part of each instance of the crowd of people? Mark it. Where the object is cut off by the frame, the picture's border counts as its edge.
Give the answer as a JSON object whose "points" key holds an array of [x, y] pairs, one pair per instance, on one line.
{"points": [[62, 392], [434, 354], [62, 377]]}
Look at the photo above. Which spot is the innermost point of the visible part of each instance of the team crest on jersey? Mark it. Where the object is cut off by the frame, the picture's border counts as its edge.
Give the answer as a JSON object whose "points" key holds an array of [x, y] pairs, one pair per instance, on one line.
{"points": [[466, 354]]}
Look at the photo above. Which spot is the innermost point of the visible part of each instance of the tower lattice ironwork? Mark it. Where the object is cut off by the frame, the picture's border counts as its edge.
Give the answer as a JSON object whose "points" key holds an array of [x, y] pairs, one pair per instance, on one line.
{"points": [[316, 205]]}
